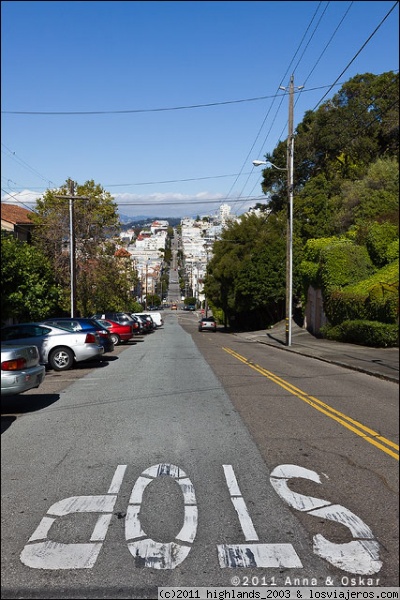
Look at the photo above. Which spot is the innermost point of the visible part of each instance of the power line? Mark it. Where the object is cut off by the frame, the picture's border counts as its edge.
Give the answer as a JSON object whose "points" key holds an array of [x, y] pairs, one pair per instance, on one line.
{"points": [[145, 110], [26, 165], [355, 56]]}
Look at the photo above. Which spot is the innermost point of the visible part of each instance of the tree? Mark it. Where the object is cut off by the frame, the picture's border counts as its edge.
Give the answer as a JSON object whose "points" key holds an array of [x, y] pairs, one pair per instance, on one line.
{"points": [[246, 276], [100, 282], [28, 288]]}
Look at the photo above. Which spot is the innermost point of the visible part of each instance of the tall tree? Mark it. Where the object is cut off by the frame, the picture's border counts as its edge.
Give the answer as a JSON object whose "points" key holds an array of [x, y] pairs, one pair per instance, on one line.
{"points": [[96, 222]]}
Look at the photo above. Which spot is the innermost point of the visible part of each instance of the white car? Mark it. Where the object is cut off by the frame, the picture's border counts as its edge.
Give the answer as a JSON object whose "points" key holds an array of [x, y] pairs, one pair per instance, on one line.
{"points": [[20, 369], [58, 348], [156, 316]]}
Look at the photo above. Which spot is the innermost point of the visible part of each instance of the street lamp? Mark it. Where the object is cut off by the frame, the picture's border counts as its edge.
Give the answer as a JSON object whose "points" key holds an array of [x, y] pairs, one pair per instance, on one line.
{"points": [[258, 163]]}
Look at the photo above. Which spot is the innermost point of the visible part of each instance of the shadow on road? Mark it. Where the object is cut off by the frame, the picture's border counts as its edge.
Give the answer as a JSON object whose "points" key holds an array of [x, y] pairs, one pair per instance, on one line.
{"points": [[14, 406]]}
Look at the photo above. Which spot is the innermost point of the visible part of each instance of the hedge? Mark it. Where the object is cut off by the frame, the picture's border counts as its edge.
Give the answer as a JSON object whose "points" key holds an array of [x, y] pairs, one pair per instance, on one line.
{"points": [[372, 299], [364, 333]]}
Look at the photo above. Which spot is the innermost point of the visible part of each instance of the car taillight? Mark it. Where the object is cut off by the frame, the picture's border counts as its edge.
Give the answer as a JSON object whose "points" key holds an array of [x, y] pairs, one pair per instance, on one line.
{"points": [[90, 339], [13, 365]]}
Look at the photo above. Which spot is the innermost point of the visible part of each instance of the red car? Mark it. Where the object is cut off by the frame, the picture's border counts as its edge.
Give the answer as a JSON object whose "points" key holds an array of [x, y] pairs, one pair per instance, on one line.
{"points": [[119, 333]]}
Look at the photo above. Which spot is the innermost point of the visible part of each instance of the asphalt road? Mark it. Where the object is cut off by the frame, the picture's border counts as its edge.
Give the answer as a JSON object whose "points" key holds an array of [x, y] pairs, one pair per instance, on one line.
{"points": [[190, 458]]}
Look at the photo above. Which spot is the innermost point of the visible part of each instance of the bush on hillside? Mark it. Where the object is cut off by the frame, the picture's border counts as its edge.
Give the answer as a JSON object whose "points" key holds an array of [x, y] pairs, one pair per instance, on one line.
{"points": [[382, 240], [363, 333]]}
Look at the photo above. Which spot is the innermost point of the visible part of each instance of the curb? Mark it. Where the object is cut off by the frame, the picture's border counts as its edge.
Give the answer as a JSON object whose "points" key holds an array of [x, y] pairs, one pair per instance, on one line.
{"points": [[339, 363]]}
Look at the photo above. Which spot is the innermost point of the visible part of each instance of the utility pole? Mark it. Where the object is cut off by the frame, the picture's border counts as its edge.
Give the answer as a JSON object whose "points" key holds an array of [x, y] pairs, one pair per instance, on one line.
{"points": [[72, 253], [145, 300], [289, 236], [72, 247], [205, 297]]}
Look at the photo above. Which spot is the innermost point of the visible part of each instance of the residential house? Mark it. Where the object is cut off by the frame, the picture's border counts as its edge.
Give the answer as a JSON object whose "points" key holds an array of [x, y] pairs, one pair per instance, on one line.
{"points": [[15, 219]]}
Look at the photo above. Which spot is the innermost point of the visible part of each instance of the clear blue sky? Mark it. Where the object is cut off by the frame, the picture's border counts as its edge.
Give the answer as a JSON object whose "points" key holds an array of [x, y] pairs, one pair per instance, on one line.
{"points": [[139, 57]]}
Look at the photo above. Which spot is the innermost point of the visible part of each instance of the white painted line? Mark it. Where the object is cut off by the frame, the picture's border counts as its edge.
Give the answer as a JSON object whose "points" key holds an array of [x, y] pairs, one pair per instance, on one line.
{"points": [[138, 489], [78, 504], [294, 499], [189, 527], [359, 556], [258, 555], [341, 514], [148, 553], [239, 504], [187, 488], [133, 528], [42, 529], [245, 520], [231, 480], [164, 469], [117, 479], [54, 555], [101, 528], [279, 481]]}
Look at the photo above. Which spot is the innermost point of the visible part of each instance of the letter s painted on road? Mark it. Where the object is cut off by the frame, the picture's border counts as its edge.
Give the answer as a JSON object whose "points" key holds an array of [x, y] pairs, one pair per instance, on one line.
{"points": [[360, 556]]}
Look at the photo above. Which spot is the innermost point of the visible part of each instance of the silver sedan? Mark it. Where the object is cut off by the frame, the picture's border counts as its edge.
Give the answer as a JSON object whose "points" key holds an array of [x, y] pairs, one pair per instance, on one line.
{"points": [[58, 348], [207, 324], [20, 369]]}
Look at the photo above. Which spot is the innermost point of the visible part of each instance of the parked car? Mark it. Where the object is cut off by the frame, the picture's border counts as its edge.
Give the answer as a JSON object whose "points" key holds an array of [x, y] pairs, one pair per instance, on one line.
{"points": [[83, 324], [59, 348], [147, 322], [20, 369], [207, 324], [117, 317], [155, 317], [119, 333], [174, 306], [137, 325]]}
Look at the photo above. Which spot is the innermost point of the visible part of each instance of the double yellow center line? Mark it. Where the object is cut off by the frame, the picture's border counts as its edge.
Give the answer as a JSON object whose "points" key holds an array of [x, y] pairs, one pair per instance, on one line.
{"points": [[369, 435]]}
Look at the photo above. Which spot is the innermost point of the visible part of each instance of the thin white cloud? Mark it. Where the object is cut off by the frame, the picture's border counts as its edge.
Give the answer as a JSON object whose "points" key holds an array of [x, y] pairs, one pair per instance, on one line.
{"points": [[166, 203]]}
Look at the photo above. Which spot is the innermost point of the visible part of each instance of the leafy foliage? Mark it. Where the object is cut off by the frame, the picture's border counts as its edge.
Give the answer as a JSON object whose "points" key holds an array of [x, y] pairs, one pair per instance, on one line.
{"points": [[363, 332], [103, 281], [28, 289], [346, 199], [382, 242]]}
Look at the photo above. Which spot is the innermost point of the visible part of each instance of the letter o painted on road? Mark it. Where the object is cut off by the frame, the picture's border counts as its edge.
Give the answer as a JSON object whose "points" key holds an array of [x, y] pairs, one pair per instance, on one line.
{"points": [[147, 552]]}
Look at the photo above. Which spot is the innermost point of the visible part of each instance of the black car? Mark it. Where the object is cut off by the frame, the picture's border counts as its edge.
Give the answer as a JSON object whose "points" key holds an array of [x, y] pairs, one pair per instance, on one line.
{"points": [[118, 317], [84, 324]]}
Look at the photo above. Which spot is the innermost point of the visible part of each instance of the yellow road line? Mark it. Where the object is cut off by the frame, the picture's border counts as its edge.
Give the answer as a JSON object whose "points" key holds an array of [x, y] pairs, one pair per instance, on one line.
{"points": [[369, 435]]}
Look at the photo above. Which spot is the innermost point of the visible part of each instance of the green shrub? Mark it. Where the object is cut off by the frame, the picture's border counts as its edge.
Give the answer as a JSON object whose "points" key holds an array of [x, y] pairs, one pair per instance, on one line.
{"points": [[372, 299], [364, 333], [343, 264], [381, 241], [340, 305], [392, 251]]}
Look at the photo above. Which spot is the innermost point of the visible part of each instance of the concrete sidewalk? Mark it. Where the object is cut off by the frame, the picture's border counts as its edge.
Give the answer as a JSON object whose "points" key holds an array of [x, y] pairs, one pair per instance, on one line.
{"points": [[379, 362]]}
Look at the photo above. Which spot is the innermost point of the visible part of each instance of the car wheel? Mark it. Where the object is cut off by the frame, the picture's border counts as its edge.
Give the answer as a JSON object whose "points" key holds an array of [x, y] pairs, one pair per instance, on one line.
{"points": [[61, 359], [116, 339]]}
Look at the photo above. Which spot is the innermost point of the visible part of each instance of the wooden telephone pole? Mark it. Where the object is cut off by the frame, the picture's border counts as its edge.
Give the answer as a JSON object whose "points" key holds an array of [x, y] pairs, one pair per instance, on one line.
{"points": [[72, 242]]}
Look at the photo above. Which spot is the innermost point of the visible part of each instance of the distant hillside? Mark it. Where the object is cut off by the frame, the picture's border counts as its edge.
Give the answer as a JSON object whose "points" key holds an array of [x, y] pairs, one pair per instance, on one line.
{"points": [[141, 221]]}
